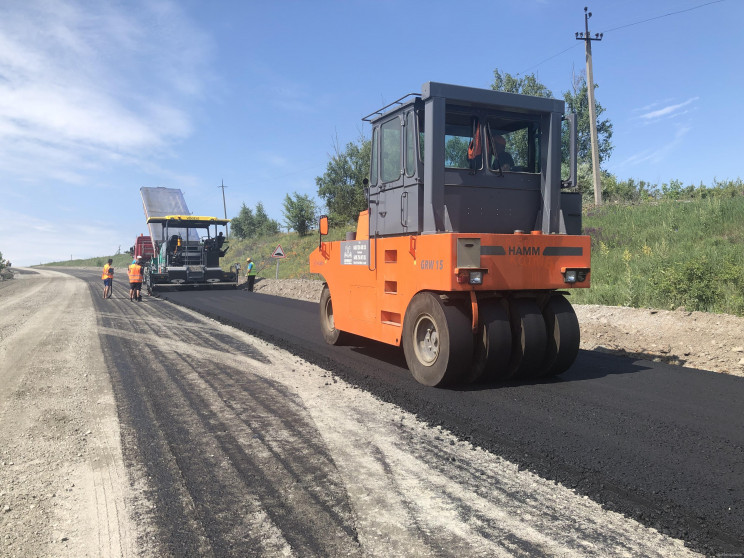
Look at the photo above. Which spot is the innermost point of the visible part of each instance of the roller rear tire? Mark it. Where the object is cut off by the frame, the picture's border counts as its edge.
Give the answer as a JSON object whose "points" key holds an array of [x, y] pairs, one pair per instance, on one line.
{"points": [[492, 343], [437, 341], [563, 336], [528, 339]]}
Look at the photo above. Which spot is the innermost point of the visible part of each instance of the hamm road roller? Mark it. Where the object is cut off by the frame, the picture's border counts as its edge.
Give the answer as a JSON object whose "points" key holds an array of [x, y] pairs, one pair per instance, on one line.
{"points": [[469, 245]]}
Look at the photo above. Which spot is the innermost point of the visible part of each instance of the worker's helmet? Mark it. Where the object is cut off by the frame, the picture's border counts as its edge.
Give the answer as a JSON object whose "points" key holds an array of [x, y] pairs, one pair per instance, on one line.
{"points": [[247, 259], [139, 258]]}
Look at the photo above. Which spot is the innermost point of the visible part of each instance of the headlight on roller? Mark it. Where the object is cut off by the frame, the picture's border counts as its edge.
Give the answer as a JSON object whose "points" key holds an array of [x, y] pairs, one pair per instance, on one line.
{"points": [[476, 277], [576, 275]]}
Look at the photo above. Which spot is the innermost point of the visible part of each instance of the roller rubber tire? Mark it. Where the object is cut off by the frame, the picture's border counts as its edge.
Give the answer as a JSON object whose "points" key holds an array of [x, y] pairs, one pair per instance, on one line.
{"points": [[437, 341], [528, 338], [492, 344], [563, 336], [331, 335]]}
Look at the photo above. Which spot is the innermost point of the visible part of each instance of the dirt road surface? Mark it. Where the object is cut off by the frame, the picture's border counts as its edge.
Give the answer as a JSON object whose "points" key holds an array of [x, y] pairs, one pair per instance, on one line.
{"points": [[63, 487], [146, 429]]}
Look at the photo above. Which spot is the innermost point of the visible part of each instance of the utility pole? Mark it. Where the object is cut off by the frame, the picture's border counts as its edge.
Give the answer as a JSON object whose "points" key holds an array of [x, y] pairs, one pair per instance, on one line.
{"points": [[224, 206], [592, 107]]}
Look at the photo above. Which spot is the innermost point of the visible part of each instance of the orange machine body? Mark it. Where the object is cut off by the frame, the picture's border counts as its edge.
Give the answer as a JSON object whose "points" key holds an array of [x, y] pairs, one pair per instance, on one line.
{"points": [[373, 280]]}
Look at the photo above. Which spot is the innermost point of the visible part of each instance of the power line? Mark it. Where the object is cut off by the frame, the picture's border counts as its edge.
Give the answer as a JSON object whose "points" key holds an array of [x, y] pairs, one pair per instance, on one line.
{"points": [[622, 27], [664, 15], [550, 58]]}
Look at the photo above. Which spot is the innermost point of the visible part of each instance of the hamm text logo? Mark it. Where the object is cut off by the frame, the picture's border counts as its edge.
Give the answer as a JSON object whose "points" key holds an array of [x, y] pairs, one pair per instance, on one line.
{"points": [[524, 250]]}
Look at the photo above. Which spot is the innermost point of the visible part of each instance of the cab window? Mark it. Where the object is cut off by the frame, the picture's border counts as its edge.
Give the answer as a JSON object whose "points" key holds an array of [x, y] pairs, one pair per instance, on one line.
{"points": [[390, 150], [411, 144], [513, 145], [458, 130], [375, 157]]}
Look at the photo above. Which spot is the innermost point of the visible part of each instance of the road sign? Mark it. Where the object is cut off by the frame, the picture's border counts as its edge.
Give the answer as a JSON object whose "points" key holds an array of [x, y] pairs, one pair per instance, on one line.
{"points": [[278, 253]]}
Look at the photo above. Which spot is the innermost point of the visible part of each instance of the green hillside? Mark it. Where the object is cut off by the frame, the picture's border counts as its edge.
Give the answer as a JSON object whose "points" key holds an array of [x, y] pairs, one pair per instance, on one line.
{"points": [[668, 253], [297, 249]]}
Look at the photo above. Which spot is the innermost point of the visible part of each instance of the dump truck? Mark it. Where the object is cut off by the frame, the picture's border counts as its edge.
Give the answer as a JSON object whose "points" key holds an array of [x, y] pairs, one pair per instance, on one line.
{"points": [[143, 248], [471, 240], [185, 250]]}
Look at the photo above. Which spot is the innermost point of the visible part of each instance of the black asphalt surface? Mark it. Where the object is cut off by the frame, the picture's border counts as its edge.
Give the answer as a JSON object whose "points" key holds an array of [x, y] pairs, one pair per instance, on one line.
{"points": [[662, 444]]}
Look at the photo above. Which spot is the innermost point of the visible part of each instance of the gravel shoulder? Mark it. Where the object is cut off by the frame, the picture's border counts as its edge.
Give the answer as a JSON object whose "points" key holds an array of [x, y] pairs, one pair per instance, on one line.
{"points": [[712, 342], [63, 489]]}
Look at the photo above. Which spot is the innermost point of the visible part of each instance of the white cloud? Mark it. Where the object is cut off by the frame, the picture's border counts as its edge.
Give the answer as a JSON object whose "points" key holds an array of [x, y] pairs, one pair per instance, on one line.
{"points": [[83, 83], [670, 111], [660, 153]]}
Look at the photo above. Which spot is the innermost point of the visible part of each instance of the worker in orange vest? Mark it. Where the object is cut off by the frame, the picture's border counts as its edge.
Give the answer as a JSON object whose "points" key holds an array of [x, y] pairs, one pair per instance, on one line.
{"points": [[108, 278], [135, 279]]}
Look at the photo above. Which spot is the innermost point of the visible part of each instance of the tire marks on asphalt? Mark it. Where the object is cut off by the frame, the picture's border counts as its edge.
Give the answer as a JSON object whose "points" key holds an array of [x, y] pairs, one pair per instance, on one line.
{"points": [[234, 456]]}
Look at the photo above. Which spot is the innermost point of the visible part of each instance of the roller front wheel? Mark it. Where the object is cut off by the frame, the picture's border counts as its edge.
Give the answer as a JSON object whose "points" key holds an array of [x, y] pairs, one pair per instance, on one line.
{"points": [[331, 335]]}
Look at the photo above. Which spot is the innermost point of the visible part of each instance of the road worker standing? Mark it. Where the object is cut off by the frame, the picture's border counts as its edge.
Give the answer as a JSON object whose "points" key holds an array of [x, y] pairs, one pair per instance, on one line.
{"points": [[135, 280], [108, 278], [250, 273]]}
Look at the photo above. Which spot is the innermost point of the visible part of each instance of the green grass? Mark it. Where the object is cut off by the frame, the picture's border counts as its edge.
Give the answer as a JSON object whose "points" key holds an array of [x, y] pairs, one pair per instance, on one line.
{"points": [[667, 254]]}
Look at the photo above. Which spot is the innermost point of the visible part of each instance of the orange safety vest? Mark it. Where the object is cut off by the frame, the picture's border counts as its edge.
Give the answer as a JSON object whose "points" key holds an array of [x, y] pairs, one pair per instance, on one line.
{"points": [[474, 147], [107, 274], [135, 273]]}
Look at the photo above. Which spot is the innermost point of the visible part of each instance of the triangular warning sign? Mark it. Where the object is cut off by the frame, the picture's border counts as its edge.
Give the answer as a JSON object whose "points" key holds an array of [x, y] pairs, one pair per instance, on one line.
{"points": [[278, 253]]}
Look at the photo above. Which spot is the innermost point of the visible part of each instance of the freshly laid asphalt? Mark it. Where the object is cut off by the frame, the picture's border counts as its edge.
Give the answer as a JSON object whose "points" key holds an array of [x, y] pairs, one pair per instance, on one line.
{"points": [[662, 444]]}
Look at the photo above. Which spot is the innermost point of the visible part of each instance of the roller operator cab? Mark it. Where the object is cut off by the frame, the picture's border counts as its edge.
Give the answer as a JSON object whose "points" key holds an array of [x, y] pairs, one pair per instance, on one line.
{"points": [[468, 246]]}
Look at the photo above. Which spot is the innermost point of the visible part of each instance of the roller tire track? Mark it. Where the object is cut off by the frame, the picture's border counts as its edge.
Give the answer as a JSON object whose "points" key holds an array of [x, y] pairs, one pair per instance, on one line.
{"points": [[186, 425]]}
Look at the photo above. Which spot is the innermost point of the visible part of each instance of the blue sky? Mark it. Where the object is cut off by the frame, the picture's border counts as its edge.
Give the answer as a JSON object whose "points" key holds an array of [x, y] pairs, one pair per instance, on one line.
{"points": [[98, 99]]}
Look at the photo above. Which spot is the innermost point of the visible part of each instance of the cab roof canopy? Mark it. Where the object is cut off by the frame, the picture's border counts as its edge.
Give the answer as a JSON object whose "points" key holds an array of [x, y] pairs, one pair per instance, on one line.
{"points": [[186, 221], [471, 96]]}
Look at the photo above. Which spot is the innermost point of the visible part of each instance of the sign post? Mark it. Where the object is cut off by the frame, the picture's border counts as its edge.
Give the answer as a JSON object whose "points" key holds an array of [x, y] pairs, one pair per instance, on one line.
{"points": [[278, 254]]}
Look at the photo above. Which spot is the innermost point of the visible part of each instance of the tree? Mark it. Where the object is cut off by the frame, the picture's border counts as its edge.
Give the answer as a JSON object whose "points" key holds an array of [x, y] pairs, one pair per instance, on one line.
{"points": [[300, 212], [264, 225], [341, 186], [250, 224], [527, 85], [242, 225], [577, 101]]}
